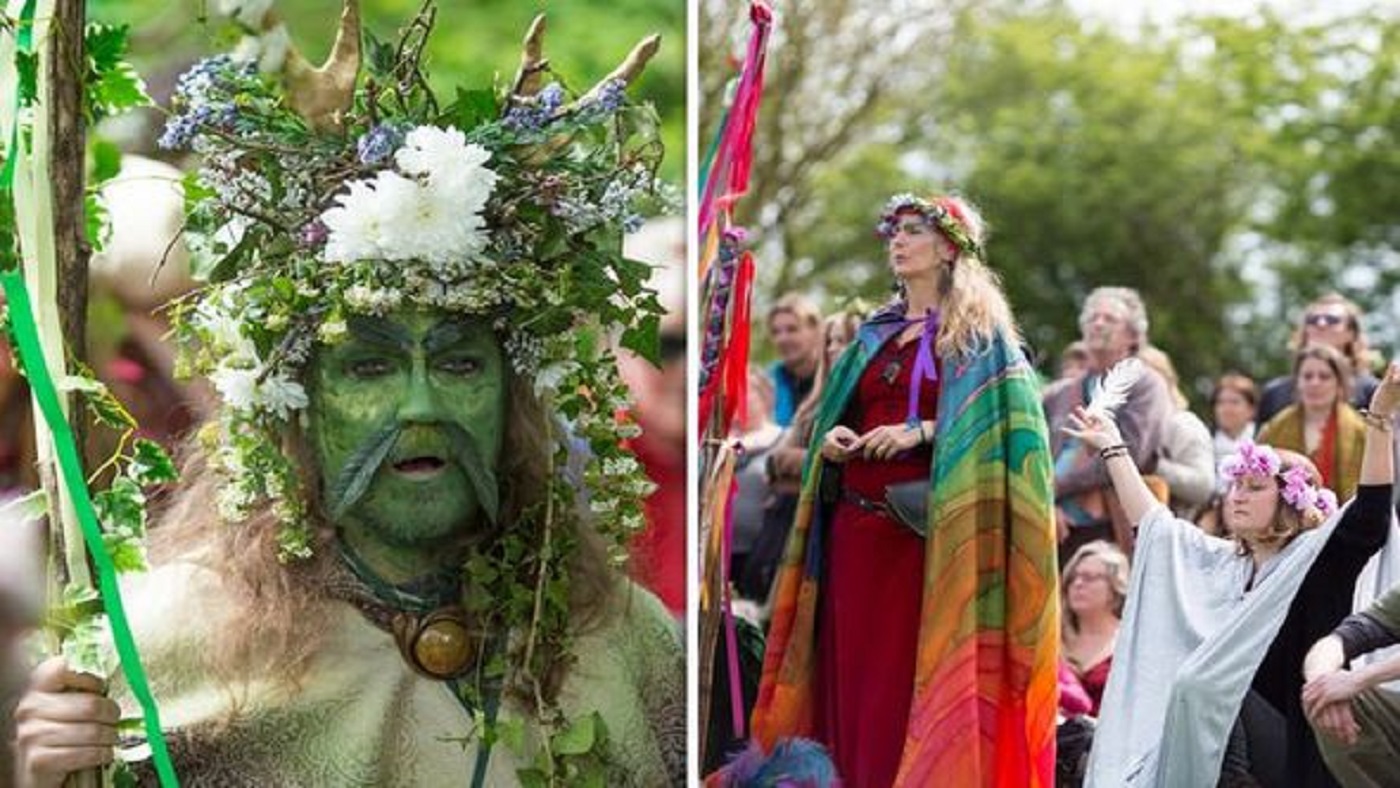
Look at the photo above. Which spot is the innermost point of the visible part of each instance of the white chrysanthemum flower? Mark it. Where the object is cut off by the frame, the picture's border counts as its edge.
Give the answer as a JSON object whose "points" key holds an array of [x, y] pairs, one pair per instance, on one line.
{"points": [[237, 387], [277, 394], [354, 224], [437, 220]]}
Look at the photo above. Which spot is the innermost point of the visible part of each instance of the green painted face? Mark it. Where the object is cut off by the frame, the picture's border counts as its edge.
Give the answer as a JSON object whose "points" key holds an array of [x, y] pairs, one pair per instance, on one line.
{"points": [[406, 422]]}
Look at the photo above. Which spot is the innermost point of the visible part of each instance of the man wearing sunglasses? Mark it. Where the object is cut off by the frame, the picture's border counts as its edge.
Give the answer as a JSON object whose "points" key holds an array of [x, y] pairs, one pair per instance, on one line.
{"points": [[1330, 320]]}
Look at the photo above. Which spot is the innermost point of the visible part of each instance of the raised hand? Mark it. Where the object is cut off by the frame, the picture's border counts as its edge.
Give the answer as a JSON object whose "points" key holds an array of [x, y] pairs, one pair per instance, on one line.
{"points": [[1094, 429], [1386, 399]]}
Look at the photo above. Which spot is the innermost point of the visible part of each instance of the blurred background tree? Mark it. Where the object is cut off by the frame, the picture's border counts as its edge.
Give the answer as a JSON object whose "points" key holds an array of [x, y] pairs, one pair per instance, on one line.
{"points": [[1230, 167], [472, 44]]}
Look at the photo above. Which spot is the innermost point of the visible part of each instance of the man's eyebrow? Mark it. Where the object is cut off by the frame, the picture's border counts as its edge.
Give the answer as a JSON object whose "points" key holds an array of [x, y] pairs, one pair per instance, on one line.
{"points": [[446, 334], [380, 332]]}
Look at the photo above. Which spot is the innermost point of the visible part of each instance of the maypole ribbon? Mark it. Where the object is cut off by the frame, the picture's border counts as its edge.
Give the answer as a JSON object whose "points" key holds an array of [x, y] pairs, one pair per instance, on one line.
{"points": [[24, 39], [46, 394], [733, 157]]}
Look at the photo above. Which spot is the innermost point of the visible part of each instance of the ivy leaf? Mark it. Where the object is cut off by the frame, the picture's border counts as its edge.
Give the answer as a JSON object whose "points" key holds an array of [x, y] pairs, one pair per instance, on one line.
{"points": [[380, 60], [632, 275], [578, 738], [151, 464], [482, 477], [105, 45], [122, 777], [473, 108], [122, 507], [106, 161], [116, 91], [88, 649], [511, 733], [532, 778], [127, 553], [644, 339], [96, 221], [105, 408]]}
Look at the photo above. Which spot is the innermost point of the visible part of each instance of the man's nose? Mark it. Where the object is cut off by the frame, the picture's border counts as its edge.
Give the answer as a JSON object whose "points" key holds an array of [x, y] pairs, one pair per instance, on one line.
{"points": [[420, 401]]}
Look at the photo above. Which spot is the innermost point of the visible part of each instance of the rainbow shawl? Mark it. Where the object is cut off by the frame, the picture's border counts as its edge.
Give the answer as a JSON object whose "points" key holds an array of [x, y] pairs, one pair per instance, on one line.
{"points": [[985, 693]]}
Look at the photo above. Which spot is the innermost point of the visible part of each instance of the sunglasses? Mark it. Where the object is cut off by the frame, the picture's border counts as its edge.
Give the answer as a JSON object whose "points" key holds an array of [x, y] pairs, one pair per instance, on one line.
{"points": [[1324, 319]]}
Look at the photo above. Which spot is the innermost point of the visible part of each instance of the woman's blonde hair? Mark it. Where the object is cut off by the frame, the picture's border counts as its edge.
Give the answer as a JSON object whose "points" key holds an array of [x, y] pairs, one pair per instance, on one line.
{"points": [[974, 307], [1115, 562]]}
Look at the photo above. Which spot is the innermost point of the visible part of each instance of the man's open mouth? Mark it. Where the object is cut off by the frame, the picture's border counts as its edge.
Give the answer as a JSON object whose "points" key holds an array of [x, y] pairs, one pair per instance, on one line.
{"points": [[420, 467]]}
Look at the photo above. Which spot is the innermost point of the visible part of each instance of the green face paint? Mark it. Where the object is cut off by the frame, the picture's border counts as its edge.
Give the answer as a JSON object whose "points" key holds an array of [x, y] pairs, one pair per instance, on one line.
{"points": [[406, 423]]}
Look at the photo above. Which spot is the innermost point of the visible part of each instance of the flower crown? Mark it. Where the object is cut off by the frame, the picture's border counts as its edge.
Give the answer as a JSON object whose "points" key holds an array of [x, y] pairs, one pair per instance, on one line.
{"points": [[1314, 502], [936, 214], [343, 196]]}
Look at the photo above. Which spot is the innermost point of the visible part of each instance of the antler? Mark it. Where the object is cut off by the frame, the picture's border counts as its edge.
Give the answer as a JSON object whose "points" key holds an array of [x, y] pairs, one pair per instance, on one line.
{"points": [[323, 95], [533, 63], [631, 67]]}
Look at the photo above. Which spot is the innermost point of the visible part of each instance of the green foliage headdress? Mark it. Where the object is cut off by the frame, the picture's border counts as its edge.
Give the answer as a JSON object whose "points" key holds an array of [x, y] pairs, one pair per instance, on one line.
{"points": [[340, 196]]}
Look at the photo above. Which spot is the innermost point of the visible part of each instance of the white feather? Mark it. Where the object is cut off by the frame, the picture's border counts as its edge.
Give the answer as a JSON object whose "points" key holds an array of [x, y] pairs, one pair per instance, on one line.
{"points": [[1111, 391]]}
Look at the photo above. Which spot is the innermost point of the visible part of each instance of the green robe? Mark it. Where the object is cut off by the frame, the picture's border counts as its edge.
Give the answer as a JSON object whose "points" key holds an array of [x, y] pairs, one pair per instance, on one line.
{"points": [[362, 717]]}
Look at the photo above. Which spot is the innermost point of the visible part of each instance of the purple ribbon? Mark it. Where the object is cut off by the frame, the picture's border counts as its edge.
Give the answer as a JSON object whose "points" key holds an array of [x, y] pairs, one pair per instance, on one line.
{"points": [[924, 366], [731, 646]]}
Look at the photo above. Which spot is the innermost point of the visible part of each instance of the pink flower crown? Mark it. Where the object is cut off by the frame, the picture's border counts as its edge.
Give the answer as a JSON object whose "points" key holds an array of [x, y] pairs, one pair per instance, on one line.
{"points": [[1314, 502]]}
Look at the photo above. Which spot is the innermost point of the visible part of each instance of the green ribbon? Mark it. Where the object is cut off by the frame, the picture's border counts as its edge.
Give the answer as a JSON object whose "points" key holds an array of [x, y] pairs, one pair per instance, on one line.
{"points": [[24, 36], [41, 384]]}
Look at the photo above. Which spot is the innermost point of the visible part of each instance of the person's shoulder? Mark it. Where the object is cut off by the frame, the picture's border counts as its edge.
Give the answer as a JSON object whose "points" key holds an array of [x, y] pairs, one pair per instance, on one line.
{"points": [[1058, 389], [1191, 424], [1271, 427], [638, 636]]}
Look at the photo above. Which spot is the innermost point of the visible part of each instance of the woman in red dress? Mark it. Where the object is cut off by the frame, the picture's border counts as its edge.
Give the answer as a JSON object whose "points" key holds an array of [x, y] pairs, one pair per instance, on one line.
{"points": [[1092, 591], [920, 644]]}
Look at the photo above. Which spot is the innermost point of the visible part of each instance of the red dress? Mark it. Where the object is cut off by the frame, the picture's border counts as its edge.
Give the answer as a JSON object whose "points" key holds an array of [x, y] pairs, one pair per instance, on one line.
{"points": [[869, 620]]}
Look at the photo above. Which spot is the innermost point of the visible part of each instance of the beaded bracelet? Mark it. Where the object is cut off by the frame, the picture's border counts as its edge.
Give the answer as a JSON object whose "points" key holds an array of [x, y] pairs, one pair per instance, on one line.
{"points": [[1382, 423]]}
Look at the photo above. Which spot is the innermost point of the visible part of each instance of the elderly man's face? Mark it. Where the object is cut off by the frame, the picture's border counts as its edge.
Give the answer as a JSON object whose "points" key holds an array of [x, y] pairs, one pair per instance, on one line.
{"points": [[407, 420], [796, 340], [1105, 328]]}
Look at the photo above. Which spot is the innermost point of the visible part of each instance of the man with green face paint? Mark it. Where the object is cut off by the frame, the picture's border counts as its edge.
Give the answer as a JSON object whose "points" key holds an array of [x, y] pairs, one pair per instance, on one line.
{"points": [[406, 422], [388, 564]]}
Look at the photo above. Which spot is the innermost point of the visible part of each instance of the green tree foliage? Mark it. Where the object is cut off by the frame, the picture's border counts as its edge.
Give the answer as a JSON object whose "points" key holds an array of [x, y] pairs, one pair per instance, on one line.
{"points": [[473, 42], [1229, 168]]}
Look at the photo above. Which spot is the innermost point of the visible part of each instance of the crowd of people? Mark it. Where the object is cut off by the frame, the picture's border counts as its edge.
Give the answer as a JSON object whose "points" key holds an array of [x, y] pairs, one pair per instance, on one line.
{"points": [[1170, 538]]}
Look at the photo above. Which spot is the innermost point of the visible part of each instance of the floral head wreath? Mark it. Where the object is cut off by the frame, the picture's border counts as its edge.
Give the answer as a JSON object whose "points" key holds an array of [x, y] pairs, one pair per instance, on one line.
{"points": [[340, 197], [1315, 503], [940, 214]]}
